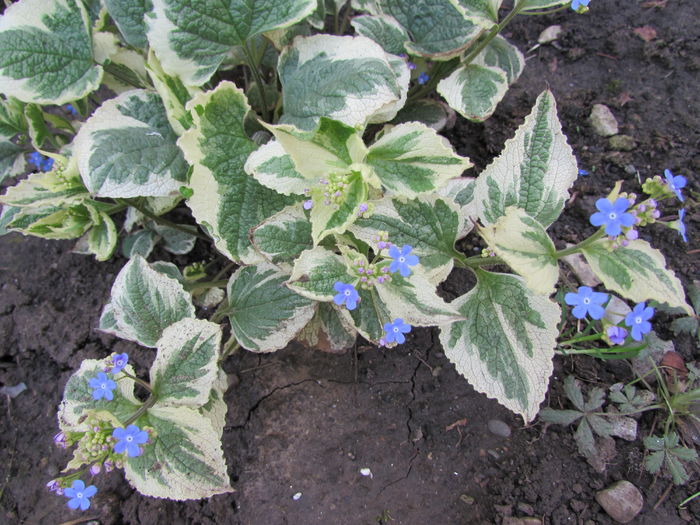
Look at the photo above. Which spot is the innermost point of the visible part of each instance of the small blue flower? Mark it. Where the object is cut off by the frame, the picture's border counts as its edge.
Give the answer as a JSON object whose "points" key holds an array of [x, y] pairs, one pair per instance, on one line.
{"points": [[346, 295], [402, 260], [72, 110], [586, 301], [102, 387], [40, 162], [411, 65], [395, 330], [423, 78], [583, 173], [681, 224], [676, 183], [79, 495], [616, 334], [129, 439], [308, 204], [119, 361], [576, 4], [638, 320], [613, 216]]}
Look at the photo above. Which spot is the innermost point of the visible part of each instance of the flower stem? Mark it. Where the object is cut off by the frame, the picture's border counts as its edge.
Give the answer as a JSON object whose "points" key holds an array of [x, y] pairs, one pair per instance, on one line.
{"points": [[258, 80], [141, 382], [575, 340], [580, 246], [142, 410], [163, 221]]}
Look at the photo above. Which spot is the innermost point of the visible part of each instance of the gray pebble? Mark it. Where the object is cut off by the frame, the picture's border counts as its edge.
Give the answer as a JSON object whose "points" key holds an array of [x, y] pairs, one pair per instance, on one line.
{"points": [[499, 428]]}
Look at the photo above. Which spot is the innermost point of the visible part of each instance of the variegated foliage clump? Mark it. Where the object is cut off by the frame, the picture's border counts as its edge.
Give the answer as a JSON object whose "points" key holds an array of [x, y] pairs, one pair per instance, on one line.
{"points": [[337, 228]]}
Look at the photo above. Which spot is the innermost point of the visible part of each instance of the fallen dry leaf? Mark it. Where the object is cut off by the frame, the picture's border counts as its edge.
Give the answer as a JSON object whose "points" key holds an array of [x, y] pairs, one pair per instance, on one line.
{"points": [[624, 98], [458, 423], [655, 3], [646, 33]]}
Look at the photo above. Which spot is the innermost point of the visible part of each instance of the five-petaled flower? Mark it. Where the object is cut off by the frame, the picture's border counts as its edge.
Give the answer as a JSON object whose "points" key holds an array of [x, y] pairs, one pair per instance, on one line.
{"points": [[102, 387], [681, 224], [79, 495], [613, 215], [586, 301], [129, 439], [119, 361], [402, 260], [576, 4], [423, 78], [616, 334], [346, 295], [42, 163], [395, 330], [676, 183], [638, 320]]}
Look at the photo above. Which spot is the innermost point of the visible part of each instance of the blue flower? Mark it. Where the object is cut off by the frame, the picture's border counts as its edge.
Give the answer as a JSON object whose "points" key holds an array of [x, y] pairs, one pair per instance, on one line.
{"points": [[676, 183], [423, 78], [72, 110], [395, 330], [40, 162], [119, 361], [402, 260], [638, 320], [346, 295], [586, 301], [616, 334], [576, 4], [583, 173], [681, 224], [612, 215], [79, 495], [129, 439], [102, 386]]}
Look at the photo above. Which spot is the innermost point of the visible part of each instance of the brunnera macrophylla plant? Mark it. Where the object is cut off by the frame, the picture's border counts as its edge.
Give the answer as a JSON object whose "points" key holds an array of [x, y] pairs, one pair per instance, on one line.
{"points": [[334, 197]]}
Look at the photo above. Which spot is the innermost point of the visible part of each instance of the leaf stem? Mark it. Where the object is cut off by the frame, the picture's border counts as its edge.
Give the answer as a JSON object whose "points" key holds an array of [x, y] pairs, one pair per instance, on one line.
{"points": [[580, 246], [142, 410], [547, 12], [258, 80], [162, 220], [140, 381], [570, 342], [197, 287]]}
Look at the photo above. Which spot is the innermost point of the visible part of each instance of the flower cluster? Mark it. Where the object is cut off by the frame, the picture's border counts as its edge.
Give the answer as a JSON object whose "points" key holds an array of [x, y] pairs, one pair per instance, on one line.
{"points": [[40, 162]]}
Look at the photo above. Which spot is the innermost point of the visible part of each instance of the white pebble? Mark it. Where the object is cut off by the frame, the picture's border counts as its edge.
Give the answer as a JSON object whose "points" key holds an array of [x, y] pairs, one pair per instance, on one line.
{"points": [[297, 496], [366, 472]]}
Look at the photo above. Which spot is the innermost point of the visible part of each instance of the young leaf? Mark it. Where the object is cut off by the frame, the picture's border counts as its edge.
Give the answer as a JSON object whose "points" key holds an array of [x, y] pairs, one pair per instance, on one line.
{"points": [[484, 8], [315, 273], [273, 167], [474, 90], [637, 272], [102, 238], [505, 346], [129, 15], [265, 314], [560, 417], [328, 330], [439, 29], [184, 461], [45, 189], [411, 159], [428, 224], [46, 53], [127, 149], [226, 201], [140, 243], [186, 366], [504, 55], [523, 243], [533, 172], [345, 78], [384, 30], [145, 302], [192, 39], [283, 236], [78, 398]]}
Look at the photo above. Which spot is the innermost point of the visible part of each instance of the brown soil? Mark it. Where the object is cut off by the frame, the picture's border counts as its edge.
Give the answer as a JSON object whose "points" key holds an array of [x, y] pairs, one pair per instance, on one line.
{"points": [[306, 422]]}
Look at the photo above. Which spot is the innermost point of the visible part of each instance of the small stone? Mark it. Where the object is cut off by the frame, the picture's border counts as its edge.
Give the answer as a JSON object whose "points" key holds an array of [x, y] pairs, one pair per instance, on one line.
{"points": [[581, 269], [577, 505], [297, 496], [616, 310], [467, 499], [504, 510], [623, 426], [549, 35], [366, 472], [622, 143], [603, 121], [509, 520], [499, 428], [13, 391], [525, 508], [621, 500], [631, 169], [685, 515], [577, 488]]}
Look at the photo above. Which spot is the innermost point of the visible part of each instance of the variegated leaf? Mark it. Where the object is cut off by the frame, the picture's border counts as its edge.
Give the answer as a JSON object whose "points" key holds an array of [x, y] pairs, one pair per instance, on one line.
{"points": [[439, 29], [461, 192], [145, 302], [78, 399], [541, 5], [350, 79], [315, 273], [474, 90], [534, 171], [384, 30], [411, 159], [186, 364], [328, 331], [370, 315], [265, 314], [184, 461], [192, 39], [505, 346], [129, 15], [428, 224], [46, 53], [140, 243], [226, 201], [102, 238], [283, 236], [215, 408], [637, 272], [173, 92], [504, 55], [522, 243], [127, 149], [482, 8], [45, 189], [273, 167]]}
